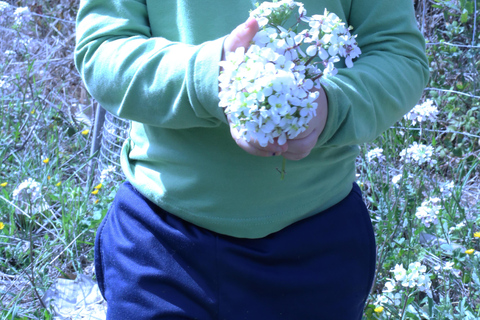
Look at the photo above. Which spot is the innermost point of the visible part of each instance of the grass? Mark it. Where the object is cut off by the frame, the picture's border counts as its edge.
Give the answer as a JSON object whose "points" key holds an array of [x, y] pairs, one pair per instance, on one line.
{"points": [[47, 114]]}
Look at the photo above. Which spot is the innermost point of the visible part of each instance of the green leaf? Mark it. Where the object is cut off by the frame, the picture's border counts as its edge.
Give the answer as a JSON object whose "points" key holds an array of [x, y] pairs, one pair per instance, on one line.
{"points": [[464, 16]]}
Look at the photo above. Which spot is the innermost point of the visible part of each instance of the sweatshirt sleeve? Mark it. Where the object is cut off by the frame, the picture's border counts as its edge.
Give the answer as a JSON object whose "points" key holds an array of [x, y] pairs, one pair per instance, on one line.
{"points": [[143, 78], [386, 81]]}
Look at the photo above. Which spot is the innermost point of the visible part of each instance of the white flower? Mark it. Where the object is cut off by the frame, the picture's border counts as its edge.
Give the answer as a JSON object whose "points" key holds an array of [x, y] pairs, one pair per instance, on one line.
{"points": [[415, 276], [22, 16], [3, 6], [458, 226], [266, 91], [447, 188], [396, 178], [106, 173], [376, 153], [422, 112], [428, 211], [28, 188], [418, 153]]}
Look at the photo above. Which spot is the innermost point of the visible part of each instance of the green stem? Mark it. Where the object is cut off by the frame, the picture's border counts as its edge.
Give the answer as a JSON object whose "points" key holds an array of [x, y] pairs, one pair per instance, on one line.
{"points": [[284, 163]]}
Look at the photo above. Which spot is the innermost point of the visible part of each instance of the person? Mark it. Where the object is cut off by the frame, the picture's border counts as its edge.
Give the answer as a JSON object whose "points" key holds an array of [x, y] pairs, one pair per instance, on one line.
{"points": [[204, 228]]}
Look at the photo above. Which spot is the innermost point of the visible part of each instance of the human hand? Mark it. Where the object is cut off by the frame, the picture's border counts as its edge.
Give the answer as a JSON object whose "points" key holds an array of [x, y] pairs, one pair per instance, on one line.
{"points": [[241, 37], [301, 146]]}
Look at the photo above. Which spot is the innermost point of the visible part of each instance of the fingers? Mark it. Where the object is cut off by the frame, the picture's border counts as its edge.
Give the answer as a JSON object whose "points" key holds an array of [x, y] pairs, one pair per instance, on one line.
{"points": [[241, 36], [300, 148], [254, 148], [302, 145]]}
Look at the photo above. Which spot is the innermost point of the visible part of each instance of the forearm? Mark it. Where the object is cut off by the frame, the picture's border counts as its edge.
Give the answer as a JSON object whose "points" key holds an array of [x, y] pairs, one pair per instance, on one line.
{"points": [[144, 78], [384, 83]]}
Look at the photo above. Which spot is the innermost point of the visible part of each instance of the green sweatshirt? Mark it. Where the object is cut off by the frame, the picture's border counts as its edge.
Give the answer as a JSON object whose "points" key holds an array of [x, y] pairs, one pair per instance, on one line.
{"points": [[156, 63]]}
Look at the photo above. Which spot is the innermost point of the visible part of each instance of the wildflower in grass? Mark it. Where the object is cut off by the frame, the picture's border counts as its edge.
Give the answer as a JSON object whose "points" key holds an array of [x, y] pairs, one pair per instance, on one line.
{"points": [[9, 53], [378, 309], [59, 184], [476, 234], [428, 211], [22, 16], [376, 153], [457, 227], [33, 111], [470, 251], [96, 201], [418, 153], [422, 112], [3, 6], [449, 267], [46, 160], [446, 188], [413, 277], [396, 178], [98, 186], [389, 298], [95, 191], [85, 132], [29, 188], [2, 225], [3, 184], [106, 173]]}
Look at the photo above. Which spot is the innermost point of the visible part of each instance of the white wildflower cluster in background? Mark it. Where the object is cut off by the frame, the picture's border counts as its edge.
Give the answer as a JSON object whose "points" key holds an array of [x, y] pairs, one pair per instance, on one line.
{"points": [[415, 277], [269, 91], [421, 112], [376, 153], [3, 6], [428, 211], [418, 153], [106, 173], [21, 15], [396, 178], [27, 189]]}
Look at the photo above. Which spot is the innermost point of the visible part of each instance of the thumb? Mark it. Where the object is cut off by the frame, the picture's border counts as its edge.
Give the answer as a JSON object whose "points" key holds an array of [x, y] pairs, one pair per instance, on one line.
{"points": [[241, 36]]}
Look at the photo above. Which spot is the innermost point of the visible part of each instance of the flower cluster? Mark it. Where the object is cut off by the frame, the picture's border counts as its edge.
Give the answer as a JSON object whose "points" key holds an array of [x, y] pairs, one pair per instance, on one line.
{"points": [[418, 153], [428, 211], [376, 153], [21, 15], [422, 112], [269, 91], [28, 188], [105, 174], [413, 277]]}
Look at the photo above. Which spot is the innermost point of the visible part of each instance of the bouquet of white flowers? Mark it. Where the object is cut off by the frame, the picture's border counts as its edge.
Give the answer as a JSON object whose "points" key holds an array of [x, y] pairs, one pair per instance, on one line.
{"points": [[267, 90]]}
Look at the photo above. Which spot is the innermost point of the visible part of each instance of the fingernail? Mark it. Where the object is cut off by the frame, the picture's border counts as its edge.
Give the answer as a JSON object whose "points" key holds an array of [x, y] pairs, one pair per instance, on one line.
{"points": [[247, 23]]}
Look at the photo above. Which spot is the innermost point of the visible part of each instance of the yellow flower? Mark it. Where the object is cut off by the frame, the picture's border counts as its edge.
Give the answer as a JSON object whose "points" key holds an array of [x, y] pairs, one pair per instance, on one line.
{"points": [[85, 132], [378, 309], [33, 111], [59, 184], [96, 201], [4, 184], [476, 234], [95, 191], [48, 177], [470, 251], [98, 186], [2, 225], [46, 160]]}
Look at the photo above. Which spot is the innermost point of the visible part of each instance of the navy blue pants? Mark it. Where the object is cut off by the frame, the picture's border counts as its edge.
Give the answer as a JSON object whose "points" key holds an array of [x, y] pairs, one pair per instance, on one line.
{"points": [[153, 265]]}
